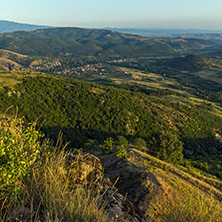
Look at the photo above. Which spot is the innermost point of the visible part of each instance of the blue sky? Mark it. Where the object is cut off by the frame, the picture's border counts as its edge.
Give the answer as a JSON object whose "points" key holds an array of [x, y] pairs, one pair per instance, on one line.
{"points": [[202, 14]]}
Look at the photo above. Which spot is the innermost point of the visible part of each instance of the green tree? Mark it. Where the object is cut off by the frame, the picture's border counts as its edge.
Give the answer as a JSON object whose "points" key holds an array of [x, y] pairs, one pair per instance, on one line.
{"points": [[108, 144], [121, 152], [166, 146]]}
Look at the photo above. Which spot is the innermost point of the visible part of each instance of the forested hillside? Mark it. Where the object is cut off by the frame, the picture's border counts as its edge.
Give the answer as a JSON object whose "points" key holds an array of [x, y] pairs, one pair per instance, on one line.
{"points": [[86, 111], [78, 42]]}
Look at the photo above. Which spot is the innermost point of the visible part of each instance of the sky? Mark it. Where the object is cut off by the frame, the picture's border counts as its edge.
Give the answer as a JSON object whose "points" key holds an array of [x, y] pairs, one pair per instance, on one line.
{"points": [[184, 14]]}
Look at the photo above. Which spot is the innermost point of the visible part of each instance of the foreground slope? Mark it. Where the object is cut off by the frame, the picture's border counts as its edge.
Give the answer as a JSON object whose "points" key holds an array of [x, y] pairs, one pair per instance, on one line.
{"points": [[164, 192], [42, 182]]}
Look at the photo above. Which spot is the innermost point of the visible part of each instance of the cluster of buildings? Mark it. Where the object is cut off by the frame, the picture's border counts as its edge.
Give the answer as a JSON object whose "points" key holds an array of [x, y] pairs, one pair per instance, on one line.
{"points": [[56, 67], [89, 68]]}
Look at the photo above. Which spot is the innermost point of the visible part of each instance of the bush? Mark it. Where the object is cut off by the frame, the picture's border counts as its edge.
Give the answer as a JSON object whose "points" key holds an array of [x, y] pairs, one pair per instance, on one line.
{"points": [[19, 149], [108, 144], [121, 152]]}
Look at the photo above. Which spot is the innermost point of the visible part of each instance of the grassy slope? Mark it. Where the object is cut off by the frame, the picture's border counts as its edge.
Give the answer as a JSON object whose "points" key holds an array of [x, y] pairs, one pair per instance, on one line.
{"points": [[7, 53], [11, 60], [163, 191], [5, 63], [54, 190]]}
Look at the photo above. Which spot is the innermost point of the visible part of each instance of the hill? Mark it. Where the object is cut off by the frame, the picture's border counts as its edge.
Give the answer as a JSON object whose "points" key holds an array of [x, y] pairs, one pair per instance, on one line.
{"points": [[10, 60], [8, 26], [80, 42], [95, 43], [172, 33], [86, 111], [191, 63]]}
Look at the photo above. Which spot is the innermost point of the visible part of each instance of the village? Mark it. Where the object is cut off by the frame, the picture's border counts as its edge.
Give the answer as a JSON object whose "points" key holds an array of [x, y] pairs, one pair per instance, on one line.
{"points": [[56, 67]]}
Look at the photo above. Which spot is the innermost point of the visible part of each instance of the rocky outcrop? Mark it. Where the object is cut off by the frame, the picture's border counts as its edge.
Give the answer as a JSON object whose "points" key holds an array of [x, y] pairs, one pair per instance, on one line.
{"points": [[90, 173]]}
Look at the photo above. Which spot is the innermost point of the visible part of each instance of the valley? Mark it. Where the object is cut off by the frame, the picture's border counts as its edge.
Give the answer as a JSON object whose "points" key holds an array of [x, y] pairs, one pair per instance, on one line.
{"points": [[149, 108]]}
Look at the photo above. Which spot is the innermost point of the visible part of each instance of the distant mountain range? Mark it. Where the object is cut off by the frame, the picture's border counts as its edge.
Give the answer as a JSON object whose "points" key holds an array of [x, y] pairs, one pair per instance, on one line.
{"points": [[198, 33], [7, 26]]}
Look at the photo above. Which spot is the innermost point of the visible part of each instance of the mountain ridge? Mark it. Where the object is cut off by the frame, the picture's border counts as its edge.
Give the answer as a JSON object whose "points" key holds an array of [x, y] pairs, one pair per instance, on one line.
{"points": [[96, 43]]}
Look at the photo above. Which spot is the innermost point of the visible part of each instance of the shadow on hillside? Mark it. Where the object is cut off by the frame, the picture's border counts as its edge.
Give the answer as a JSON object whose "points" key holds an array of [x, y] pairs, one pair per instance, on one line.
{"points": [[208, 146], [201, 146], [76, 137]]}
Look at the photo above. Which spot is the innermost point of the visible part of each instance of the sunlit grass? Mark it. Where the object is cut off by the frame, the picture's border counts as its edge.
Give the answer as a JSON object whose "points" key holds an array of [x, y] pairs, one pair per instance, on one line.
{"points": [[179, 196], [178, 202]]}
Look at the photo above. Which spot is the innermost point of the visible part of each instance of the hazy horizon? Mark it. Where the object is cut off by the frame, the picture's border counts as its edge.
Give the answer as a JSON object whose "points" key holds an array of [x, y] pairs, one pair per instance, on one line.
{"points": [[161, 14]]}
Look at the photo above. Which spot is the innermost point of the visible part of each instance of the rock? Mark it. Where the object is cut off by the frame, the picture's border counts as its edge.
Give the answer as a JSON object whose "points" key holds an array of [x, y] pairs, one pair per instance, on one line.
{"points": [[89, 171], [86, 168]]}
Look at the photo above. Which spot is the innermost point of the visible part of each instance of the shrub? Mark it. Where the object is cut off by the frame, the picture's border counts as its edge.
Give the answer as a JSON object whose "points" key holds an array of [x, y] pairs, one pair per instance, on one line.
{"points": [[108, 144], [19, 149], [121, 152], [122, 141]]}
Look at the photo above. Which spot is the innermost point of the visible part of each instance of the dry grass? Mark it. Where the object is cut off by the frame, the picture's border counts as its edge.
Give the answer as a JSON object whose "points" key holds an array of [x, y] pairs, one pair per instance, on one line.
{"points": [[7, 52], [180, 197], [5, 62], [178, 202], [98, 91], [52, 193]]}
